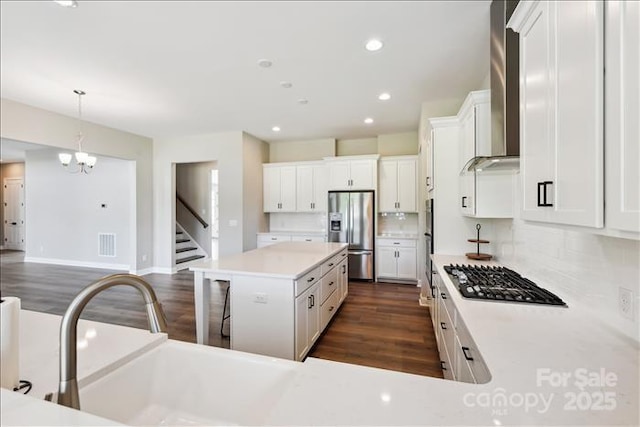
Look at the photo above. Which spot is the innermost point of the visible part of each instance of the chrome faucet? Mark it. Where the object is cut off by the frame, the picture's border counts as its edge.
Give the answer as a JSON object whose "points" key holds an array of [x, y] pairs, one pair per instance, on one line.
{"points": [[68, 387]]}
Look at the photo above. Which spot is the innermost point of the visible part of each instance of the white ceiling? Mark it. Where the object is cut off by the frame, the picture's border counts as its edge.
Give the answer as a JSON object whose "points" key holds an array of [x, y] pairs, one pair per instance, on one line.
{"points": [[179, 68]]}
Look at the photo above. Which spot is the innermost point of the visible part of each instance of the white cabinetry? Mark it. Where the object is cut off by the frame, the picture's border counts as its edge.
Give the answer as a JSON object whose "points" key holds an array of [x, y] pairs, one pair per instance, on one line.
{"points": [[352, 173], [311, 188], [622, 113], [397, 259], [397, 184], [279, 188], [460, 358], [307, 319], [561, 110], [482, 193]]}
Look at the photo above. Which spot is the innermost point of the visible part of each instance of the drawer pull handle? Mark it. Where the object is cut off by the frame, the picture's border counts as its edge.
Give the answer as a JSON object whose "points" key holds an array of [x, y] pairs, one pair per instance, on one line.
{"points": [[464, 351], [331, 265], [307, 240], [443, 295], [274, 238], [443, 325], [331, 308], [396, 243], [331, 284], [442, 365], [311, 280]]}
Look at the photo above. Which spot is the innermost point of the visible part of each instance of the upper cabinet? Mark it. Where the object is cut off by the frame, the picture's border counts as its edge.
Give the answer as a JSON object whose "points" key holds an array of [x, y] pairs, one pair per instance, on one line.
{"points": [[279, 188], [482, 194], [622, 115], [311, 188], [561, 110], [398, 184], [352, 173]]}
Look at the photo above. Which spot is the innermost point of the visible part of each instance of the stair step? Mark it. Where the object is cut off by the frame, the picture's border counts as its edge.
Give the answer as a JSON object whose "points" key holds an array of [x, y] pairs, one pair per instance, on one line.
{"points": [[189, 258], [182, 240], [190, 248]]}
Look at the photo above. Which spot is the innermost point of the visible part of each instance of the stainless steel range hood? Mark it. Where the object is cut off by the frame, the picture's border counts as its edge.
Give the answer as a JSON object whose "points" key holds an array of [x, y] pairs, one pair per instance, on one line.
{"points": [[505, 120]]}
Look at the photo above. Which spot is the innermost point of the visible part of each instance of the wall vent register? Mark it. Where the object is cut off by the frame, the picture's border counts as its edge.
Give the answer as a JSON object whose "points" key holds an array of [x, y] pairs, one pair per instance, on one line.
{"points": [[494, 283]]}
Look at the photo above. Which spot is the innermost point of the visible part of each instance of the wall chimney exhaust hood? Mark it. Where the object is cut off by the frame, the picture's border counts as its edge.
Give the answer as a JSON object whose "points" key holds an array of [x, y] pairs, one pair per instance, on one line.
{"points": [[504, 74]]}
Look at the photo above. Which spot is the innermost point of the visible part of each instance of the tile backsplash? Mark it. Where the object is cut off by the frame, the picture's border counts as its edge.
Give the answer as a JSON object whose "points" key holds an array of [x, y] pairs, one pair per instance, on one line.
{"points": [[404, 223], [316, 222], [584, 267]]}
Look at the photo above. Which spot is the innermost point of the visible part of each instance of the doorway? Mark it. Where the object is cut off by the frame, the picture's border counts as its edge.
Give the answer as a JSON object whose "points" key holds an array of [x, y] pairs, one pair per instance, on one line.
{"points": [[215, 228], [13, 213]]}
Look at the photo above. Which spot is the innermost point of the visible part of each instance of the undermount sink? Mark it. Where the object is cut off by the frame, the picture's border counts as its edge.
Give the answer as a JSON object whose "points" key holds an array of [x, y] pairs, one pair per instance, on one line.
{"points": [[187, 384]]}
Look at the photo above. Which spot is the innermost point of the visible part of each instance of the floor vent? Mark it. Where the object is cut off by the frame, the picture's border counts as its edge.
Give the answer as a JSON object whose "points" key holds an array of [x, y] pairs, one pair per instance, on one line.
{"points": [[107, 242]]}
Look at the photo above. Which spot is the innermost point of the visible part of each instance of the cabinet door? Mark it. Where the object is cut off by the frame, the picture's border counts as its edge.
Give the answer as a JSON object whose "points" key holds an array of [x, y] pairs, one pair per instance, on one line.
{"points": [[461, 365], [303, 305], [407, 180], [304, 188], [388, 186], [467, 138], [622, 97], [287, 189], [271, 189], [577, 187], [429, 163], [536, 131], [320, 186], [344, 279], [362, 174], [387, 261], [467, 183], [313, 317], [339, 176], [406, 263]]}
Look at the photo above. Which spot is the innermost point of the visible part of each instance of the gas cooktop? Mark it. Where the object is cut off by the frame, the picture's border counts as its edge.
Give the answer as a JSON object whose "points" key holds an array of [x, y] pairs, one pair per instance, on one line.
{"points": [[496, 283]]}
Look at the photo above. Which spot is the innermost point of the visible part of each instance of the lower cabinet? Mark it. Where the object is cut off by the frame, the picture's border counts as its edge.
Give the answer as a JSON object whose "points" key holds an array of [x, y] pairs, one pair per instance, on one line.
{"points": [[459, 356], [307, 320], [266, 239], [325, 288], [397, 259]]}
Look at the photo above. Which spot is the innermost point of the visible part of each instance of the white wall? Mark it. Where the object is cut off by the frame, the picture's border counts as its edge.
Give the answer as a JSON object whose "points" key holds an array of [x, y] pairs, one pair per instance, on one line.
{"points": [[254, 153], [22, 122], [356, 147], [398, 144], [586, 267], [298, 151], [228, 150], [8, 170], [64, 214]]}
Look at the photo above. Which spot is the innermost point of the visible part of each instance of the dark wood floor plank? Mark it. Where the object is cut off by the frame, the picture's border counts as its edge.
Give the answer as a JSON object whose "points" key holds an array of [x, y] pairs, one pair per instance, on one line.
{"points": [[379, 325]]}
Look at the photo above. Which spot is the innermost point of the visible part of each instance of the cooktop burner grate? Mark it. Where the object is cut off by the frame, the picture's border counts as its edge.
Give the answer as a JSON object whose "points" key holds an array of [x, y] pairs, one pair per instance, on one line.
{"points": [[498, 284]]}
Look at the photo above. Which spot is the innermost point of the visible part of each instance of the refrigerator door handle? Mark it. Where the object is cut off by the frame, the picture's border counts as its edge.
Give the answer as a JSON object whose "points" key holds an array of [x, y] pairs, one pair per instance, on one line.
{"points": [[360, 253], [351, 221]]}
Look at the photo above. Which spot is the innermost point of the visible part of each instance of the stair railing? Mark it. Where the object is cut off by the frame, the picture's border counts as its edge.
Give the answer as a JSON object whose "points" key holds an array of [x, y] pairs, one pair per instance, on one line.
{"points": [[192, 211]]}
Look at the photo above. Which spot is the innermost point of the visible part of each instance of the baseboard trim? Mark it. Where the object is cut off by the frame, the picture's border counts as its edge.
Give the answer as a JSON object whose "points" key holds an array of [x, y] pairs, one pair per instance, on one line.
{"points": [[143, 272], [424, 301], [74, 263]]}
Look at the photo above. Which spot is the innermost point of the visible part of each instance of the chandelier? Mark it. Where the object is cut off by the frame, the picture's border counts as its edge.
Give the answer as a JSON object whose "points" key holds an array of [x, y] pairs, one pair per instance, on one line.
{"points": [[84, 162]]}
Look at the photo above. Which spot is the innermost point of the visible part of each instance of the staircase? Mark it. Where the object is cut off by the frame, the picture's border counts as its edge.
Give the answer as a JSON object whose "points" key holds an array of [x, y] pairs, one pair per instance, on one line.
{"points": [[187, 249]]}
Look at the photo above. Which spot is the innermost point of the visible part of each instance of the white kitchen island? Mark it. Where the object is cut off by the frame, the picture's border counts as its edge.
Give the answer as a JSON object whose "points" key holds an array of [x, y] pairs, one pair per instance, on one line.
{"points": [[281, 296]]}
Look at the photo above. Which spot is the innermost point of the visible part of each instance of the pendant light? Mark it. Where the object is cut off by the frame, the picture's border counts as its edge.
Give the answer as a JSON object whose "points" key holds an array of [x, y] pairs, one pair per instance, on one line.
{"points": [[84, 162]]}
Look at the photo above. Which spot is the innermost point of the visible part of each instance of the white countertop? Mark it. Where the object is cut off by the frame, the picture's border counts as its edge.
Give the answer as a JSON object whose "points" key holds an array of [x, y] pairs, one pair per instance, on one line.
{"points": [[287, 260], [518, 343]]}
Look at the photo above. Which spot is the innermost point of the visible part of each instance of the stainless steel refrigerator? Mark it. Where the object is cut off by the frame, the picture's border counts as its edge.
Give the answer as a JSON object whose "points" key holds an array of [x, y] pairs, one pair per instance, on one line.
{"points": [[351, 220]]}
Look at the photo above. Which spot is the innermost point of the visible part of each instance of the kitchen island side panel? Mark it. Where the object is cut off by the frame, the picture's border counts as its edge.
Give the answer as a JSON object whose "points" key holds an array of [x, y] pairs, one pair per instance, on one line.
{"points": [[262, 316]]}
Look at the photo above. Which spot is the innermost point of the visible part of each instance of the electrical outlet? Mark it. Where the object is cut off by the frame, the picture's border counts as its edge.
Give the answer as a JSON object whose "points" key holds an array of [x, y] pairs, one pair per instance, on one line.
{"points": [[625, 302], [260, 298]]}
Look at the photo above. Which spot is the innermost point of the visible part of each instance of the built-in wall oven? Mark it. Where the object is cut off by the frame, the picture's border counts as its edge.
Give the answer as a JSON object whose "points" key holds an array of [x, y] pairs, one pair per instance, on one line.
{"points": [[428, 235]]}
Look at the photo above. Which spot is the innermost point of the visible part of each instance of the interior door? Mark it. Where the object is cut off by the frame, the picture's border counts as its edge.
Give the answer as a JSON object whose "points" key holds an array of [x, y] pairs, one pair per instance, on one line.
{"points": [[14, 213]]}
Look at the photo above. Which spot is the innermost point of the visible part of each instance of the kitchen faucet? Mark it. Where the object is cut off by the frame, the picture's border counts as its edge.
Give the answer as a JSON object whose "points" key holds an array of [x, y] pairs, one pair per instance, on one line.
{"points": [[68, 387]]}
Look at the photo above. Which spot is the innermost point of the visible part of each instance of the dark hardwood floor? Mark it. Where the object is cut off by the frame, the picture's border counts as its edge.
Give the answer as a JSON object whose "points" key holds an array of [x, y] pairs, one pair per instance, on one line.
{"points": [[379, 325]]}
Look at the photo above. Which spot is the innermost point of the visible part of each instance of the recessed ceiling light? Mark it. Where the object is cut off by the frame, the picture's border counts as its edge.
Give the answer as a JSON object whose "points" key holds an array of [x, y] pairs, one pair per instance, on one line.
{"points": [[67, 3], [368, 120], [275, 129], [303, 101], [286, 85], [384, 96], [373, 45], [265, 63]]}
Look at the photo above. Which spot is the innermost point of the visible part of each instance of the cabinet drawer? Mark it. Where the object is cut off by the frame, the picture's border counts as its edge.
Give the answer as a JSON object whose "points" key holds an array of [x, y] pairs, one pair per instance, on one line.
{"points": [[330, 264], [470, 357], [304, 282], [397, 243], [329, 284], [273, 238], [307, 238], [447, 301], [328, 309]]}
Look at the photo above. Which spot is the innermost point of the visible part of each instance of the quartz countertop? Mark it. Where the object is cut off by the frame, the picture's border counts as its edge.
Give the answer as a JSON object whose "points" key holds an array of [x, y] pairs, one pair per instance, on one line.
{"points": [[287, 260]]}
